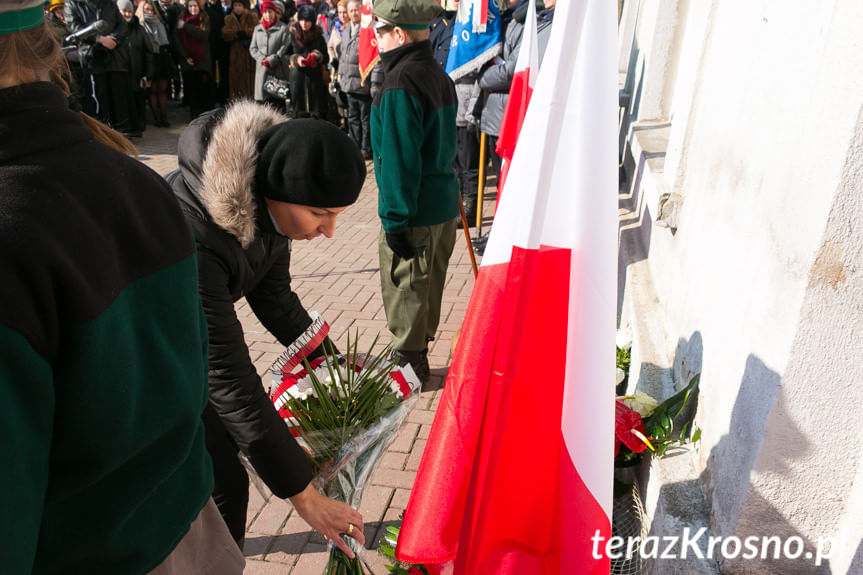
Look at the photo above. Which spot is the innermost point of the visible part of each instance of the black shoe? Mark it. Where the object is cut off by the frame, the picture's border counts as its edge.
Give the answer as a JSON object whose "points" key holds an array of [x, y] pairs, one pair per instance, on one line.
{"points": [[469, 211], [479, 244], [418, 360]]}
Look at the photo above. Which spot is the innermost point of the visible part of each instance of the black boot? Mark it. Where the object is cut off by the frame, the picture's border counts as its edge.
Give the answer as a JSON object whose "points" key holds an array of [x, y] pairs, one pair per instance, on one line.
{"points": [[418, 360], [469, 204]]}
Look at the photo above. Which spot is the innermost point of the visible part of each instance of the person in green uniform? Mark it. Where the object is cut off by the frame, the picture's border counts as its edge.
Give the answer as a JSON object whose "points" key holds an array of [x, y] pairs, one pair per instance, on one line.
{"points": [[413, 134], [103, 341]]}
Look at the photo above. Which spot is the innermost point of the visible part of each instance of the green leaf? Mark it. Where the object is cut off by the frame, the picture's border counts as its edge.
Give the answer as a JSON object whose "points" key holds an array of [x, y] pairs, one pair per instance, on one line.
{"points": [[697, 435]]}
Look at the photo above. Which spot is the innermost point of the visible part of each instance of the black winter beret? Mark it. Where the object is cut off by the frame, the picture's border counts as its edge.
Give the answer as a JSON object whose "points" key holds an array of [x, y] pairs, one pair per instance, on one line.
{"points": [[309, 162]]}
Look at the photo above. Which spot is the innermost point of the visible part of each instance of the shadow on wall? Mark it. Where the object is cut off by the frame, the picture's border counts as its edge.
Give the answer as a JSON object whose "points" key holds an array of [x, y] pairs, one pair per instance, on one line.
{"points": [[737, 509], [634, 227]]}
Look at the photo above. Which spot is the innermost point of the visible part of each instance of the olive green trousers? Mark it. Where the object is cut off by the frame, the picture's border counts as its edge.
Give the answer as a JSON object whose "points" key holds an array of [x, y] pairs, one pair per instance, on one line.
{"points": [[412, 289]]}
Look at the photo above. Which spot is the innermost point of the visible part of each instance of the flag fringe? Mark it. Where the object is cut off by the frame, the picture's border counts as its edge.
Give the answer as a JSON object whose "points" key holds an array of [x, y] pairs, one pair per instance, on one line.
{"points": [[476, 63]]}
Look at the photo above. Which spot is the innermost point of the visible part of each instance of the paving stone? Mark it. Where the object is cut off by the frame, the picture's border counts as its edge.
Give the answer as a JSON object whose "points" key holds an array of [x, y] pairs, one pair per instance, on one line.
{"points": [[405, 438], [376, 499], [272, 517], [254, 567], [420, 416], [312, 560], [394, 478], [416, 455], [256, 546], [393, 460]]}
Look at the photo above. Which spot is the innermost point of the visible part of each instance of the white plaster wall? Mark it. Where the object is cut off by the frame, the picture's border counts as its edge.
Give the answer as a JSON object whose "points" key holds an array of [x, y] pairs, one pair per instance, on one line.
{"points": [[769, 128]]}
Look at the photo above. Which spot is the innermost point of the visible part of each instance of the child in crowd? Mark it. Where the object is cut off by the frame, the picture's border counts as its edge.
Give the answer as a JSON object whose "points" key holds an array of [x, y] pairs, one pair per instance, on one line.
{"points": [[413, 136]]}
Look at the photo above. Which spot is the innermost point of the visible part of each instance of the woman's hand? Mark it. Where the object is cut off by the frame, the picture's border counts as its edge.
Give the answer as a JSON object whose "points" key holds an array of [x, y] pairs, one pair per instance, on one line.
{"points": [[330, 517], [190, 62]]}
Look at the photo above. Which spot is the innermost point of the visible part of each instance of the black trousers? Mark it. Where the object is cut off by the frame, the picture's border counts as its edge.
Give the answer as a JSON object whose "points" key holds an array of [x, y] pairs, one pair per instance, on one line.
{"points": [[112, 99], [359, 120], [198, 91], [231, 487], [467, 162]]}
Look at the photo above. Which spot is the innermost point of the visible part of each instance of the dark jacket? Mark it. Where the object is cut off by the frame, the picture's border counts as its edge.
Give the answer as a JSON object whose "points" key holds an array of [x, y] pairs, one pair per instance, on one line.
{"points": [[81, 13], [496, 79], [240, 255], [440, 35], [413, 135], [102, 351], [349, 66], [141, 60], [200, 35]]}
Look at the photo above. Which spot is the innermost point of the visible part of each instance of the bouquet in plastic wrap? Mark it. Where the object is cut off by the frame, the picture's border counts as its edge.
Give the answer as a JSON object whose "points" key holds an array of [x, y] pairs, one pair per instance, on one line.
{"points": [[344, 410]]}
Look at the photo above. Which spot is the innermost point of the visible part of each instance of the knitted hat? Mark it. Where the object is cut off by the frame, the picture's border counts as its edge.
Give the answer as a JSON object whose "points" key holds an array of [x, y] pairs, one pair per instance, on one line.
{"points": [[245, 3], [20, 15], [266, 5], [125, 5], [309, 162], [279, 6], [307, 12]]}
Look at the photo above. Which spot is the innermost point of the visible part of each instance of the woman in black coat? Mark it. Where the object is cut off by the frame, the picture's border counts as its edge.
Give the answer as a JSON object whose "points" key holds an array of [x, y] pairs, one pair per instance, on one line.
{"points": [[309, 57], [243, 186]]}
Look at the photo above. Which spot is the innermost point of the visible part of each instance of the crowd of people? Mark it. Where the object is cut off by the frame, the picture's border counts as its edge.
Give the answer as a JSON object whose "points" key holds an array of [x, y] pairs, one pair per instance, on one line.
{"points": [[126, 388]]}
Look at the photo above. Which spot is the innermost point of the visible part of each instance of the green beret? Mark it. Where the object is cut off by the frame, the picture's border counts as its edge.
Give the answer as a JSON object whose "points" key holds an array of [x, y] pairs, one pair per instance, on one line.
{"points": [[407, 14]]}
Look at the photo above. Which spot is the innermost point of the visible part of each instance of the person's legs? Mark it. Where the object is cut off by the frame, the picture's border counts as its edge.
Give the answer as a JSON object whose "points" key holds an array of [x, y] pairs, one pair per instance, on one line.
{"points": [[231, 482], [120, 107], [405, 290], [467, 162], [355, 122], [102, 93], [366, 115], [440, 250]]}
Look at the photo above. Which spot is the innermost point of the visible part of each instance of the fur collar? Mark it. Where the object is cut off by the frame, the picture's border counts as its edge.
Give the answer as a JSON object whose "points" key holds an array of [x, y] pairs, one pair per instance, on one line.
{"points": [[228, 171]]}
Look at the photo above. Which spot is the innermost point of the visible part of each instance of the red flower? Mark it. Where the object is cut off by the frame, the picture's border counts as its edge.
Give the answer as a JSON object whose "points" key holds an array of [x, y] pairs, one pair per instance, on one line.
{"points": [[625, 421]]}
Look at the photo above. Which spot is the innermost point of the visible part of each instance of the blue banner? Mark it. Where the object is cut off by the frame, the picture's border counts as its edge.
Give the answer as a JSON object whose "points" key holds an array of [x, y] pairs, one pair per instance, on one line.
{"points": [[469, 50]]}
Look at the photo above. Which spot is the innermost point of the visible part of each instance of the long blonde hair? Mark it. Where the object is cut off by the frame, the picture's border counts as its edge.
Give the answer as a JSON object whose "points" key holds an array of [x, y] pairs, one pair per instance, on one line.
{"points": [[37, 49]]}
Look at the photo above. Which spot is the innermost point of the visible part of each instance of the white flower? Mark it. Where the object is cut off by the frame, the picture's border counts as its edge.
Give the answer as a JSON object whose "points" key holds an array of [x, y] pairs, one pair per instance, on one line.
{"points": [[624, 337], [302, 389], [642, 403], [621, 375]]}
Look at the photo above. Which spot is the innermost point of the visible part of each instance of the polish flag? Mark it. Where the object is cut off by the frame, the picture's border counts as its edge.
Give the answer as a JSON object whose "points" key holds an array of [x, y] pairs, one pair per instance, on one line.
{"points": [[367, 50], [516, 477], [520, 91]]}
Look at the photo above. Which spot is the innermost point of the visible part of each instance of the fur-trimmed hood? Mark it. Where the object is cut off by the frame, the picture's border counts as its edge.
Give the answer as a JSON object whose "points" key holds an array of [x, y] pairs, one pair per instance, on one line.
{"points": [[217, 156]]}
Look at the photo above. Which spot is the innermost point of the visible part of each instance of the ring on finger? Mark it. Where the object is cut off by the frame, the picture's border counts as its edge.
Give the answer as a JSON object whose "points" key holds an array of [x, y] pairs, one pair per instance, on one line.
{"points": [[350, 528]]}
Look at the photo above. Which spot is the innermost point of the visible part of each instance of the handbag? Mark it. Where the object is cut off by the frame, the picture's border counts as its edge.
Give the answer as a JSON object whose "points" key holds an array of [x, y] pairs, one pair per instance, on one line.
{"points": [[276, 87]]}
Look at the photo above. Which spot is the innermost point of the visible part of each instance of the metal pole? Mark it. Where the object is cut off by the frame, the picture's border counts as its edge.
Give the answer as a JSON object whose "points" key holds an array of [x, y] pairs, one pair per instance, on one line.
{"points": [[480, 187]]}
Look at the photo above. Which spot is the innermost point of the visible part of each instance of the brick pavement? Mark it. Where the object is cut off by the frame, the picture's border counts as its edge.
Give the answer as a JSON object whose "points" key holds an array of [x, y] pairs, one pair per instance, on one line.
{"points": [[339, 278]]}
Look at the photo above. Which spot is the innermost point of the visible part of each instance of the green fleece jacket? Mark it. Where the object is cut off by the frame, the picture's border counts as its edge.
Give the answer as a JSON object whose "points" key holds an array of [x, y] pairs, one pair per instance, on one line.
{"points": [[413, 137], [103, 359]]}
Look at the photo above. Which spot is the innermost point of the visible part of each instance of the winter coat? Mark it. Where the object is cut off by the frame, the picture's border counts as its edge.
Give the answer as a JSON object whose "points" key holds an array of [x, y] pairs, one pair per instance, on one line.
{"points": [[349, 67], [240, 255], [199, 34], [142, 61], [413, 137], [82, 13], [102, 350], [440, 35], [314, 44], [271, 44], [497, 79], [237, 32]]}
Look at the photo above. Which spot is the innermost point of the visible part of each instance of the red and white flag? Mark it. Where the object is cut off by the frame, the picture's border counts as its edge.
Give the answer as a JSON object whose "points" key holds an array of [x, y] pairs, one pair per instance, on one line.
{"points": [[516, 477], [367, 50], [520, 91]]}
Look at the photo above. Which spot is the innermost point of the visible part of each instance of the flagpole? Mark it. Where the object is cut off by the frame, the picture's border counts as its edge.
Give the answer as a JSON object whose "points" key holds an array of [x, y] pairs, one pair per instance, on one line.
{"points": [[480, 186], [467, 234]]}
